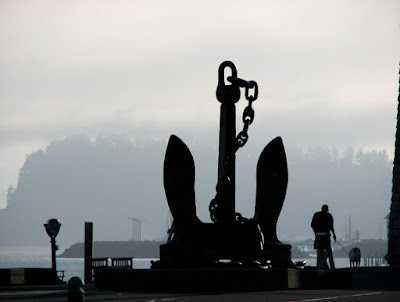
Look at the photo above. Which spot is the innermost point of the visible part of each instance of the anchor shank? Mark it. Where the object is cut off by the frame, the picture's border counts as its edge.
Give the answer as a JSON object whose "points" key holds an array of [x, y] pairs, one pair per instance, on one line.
{"points": [[226, 160]]}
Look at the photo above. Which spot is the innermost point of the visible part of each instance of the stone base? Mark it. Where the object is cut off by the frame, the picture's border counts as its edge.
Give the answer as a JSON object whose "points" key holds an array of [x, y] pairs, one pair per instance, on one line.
{"points": [[178, 255], [278, 254]]}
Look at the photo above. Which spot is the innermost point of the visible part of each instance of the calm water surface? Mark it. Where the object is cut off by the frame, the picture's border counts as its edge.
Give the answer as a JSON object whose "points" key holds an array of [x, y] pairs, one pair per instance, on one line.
{"points": [[17, 257]]}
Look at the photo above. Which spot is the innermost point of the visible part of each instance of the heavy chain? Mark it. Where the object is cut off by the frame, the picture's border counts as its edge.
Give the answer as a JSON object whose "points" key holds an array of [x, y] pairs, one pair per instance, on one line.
{"points": [[215, 204], [248, 113], [241, 139]]}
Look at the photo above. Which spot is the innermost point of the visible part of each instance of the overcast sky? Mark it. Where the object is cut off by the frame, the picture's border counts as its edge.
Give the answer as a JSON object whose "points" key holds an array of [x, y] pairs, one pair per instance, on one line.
{"points": [[327, 71]]}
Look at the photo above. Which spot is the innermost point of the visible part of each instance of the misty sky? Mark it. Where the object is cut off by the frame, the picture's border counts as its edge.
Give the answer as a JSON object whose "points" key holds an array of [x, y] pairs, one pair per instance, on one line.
{"points": [[327, 71]]}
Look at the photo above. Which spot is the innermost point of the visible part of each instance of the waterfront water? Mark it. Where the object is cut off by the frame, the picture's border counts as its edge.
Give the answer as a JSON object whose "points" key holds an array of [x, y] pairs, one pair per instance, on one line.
{"points": [[40, 257], [18, 257]]}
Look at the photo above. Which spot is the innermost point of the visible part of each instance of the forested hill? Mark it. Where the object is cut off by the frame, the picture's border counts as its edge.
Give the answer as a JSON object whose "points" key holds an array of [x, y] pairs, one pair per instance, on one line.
{"points": [[110, 249], [134, 249], [108, 180]]}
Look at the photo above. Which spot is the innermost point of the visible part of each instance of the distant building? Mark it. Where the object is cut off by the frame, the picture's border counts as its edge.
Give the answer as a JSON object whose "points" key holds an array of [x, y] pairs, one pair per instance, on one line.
{"points": [[394, 218]]}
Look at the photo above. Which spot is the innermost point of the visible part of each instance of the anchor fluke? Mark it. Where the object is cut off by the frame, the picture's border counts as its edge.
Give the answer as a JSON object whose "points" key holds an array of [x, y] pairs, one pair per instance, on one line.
{"points": [[272, 180], [179, 177]]}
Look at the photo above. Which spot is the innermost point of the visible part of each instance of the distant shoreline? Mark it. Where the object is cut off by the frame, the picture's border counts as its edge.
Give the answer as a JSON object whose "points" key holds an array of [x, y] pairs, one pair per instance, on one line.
{"points": [[150, 249], [105, 249], [137, 249]]}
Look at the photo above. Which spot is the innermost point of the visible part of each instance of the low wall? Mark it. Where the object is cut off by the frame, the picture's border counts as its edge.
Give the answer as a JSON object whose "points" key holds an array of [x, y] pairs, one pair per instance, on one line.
{"points": [[194, 279], [379, 278], [376, 278], [28, 276]]}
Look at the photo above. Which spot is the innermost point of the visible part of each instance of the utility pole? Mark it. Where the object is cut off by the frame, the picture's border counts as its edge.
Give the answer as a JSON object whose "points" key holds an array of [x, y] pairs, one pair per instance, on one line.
{"points": [[350, 234], [136, 229]]}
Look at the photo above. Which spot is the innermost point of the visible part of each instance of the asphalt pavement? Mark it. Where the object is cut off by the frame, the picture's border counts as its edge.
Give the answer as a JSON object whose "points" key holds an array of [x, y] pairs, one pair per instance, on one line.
{"points": [[60, 293]]}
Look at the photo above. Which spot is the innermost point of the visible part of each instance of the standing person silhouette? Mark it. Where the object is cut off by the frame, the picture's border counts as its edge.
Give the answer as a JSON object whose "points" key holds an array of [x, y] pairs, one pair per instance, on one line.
{"points": [[322, 225]]}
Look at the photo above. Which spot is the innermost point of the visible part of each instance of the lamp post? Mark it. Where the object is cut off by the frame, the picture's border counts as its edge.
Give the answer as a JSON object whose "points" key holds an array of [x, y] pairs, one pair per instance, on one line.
{"points": [[52, 227]]}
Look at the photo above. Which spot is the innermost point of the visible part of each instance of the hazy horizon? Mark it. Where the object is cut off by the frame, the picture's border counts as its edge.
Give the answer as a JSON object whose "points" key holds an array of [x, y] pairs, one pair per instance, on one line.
{"points": [[327, 71], [108, 180]]}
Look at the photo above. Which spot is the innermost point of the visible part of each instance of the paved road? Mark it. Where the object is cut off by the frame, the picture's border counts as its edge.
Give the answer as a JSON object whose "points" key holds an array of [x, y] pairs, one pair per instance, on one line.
{"points": [[59, 293]]}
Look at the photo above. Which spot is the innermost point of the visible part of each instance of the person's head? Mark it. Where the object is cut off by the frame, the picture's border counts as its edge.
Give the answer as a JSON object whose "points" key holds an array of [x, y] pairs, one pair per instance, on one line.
{"points": [[325, 208]]}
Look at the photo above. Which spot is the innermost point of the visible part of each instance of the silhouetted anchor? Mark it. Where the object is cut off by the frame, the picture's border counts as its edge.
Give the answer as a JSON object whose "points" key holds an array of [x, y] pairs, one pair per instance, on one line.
{"points": [[247, 242]]}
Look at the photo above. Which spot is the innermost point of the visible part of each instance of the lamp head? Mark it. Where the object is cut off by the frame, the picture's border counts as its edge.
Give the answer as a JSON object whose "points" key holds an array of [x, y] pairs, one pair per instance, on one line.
{"points": [[52, 227]]}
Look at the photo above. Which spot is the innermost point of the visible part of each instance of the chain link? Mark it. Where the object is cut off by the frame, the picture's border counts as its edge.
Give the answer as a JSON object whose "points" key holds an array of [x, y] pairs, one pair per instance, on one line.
{"points": [[214, 207], [248, 115]]}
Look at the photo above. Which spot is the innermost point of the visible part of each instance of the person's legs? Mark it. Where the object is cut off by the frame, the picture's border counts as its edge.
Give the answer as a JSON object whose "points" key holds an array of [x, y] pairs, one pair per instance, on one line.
{"points": [[317, 246], [330, 256], [324, 263], [321, 257]]}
